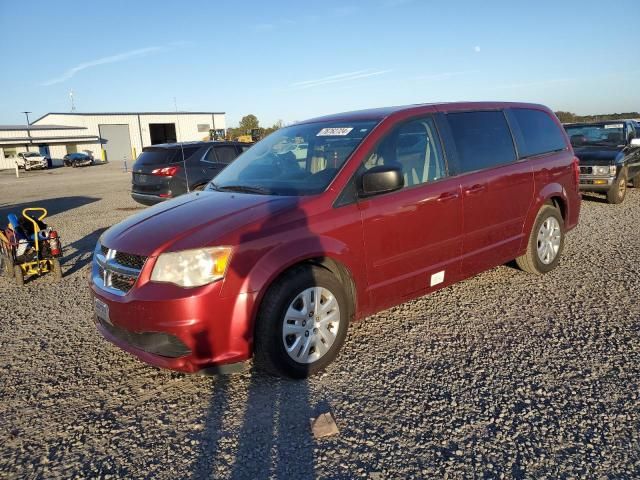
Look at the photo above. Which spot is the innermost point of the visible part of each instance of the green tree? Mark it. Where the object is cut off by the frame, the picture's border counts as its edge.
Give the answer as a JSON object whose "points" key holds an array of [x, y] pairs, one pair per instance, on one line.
{"points": [[249, 122]]}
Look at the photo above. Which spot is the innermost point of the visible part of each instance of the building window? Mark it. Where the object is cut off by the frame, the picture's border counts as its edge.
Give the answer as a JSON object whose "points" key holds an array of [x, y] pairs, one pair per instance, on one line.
{"points": [[10, 153]]}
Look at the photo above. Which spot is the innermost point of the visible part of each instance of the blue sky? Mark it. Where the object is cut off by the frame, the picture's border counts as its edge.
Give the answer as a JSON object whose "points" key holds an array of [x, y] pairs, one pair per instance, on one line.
{"points": [[292, 60]]}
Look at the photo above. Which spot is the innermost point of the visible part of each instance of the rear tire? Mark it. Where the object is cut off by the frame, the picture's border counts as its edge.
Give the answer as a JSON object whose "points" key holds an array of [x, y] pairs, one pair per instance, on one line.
{"points": [[19, 275], [618, 190], [56, 268], [302, 323], [8, 265], [546, 242], [636, 181]]}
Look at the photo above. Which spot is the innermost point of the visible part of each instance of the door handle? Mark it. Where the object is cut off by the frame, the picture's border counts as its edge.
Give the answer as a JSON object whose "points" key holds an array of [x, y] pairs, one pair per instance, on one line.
{"points": [[447, 196], [479, 188]]}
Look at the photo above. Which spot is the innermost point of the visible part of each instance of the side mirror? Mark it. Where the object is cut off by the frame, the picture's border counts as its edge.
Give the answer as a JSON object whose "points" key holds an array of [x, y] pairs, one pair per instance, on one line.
{"points": [[635, 142], [381, 179]]}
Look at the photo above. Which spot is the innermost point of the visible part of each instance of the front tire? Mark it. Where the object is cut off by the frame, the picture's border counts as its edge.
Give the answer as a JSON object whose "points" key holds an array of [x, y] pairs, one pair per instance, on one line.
{"points": [[546, 242], [302, 323], [56, 269], [618, 190]]}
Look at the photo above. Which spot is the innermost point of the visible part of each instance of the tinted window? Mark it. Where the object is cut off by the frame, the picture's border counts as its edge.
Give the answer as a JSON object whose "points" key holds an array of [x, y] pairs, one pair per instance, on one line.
{"points": [[538, 132], [483, 140], [226, 154], [414, 146], [164, 156]]}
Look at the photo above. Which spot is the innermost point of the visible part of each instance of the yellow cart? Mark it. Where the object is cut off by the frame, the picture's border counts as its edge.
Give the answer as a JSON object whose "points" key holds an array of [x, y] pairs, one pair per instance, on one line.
{"points": [[42, 257]]}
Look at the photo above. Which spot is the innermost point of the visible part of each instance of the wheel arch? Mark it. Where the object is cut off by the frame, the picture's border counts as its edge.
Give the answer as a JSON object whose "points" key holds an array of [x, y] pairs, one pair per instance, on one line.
{"points": [[552, 194]]}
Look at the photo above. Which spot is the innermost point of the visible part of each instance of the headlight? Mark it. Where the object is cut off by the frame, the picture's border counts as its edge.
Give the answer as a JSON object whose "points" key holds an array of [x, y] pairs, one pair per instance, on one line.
{"points": [[604, 170], [192, 268]]}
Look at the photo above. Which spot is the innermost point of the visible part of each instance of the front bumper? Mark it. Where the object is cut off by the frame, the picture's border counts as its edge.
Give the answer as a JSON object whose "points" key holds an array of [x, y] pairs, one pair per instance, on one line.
{"points": [[594, 183], [211, 333]]}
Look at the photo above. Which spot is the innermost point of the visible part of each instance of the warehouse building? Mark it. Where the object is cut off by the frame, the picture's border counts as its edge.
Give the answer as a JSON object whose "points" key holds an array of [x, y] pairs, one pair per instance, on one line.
{"points": [[114, 136]]}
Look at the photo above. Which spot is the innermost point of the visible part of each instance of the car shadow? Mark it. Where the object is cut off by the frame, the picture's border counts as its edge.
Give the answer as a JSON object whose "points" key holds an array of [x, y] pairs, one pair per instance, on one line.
{"points": [[274, 439], [591, 197], [53, 205], [78, 254]]}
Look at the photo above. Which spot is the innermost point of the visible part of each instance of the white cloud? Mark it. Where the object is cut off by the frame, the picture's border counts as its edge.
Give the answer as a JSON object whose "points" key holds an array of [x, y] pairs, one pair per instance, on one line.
{"points": [[442, 75], [120, 57], [265, 27], [541, 83], [341, 77], [476, 49]]}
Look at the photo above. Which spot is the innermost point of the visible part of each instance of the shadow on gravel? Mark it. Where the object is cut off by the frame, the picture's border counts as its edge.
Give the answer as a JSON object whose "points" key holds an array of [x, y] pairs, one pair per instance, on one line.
{"points": [[594, 198], [79, 253], [53, 205], [274, 439]]}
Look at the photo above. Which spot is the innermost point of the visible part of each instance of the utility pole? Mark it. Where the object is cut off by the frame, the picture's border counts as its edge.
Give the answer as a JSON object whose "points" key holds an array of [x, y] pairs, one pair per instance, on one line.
{"points": [[28, 131]]}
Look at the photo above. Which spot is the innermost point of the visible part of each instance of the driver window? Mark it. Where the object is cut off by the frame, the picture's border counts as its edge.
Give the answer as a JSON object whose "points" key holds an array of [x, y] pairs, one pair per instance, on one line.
{"points": [[414, 147]]}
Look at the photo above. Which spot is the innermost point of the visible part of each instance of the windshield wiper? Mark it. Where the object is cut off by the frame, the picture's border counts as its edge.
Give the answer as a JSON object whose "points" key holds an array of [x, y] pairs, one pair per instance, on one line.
{"points": [[243, 189]]}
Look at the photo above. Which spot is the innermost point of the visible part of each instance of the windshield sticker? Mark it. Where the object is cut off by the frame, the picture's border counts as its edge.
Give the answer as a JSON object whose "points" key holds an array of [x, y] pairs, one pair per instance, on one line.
{"points": [[334, 132], [614, 125]]}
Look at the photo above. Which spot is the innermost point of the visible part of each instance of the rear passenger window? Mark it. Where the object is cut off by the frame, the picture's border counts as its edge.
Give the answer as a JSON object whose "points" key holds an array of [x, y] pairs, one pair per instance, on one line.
{"points": [[226, 154], [414, 146], [483, 140], [538, 133]]}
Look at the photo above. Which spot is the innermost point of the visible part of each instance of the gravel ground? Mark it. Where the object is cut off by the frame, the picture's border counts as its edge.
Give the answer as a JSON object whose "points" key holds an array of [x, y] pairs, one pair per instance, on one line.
{"points": [[505, 375]]}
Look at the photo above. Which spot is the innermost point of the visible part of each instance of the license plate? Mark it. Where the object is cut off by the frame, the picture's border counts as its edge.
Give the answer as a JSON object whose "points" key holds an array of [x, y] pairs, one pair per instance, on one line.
{"points": [[102, 311]]}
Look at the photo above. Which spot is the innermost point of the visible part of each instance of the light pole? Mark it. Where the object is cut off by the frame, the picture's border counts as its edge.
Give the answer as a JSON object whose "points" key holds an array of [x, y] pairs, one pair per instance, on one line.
{"points": [[28, 131]]}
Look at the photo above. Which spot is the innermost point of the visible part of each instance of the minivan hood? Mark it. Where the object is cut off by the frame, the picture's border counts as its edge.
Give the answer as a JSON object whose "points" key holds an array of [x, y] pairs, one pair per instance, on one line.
{"points": [[597, 155], [191, 221]]}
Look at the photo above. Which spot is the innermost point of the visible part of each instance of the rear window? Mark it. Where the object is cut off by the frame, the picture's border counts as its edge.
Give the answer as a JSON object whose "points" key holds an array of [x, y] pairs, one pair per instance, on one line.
{"points": [[538, 133], [483, 140], [164, 156]]}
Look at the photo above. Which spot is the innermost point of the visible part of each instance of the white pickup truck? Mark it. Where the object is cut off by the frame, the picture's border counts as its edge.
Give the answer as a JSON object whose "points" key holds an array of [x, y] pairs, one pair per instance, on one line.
{"points": [[31, 160]]}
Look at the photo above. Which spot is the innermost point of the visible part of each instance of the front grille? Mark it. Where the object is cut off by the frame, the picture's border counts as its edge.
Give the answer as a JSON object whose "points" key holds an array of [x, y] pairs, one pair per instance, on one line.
{"points": [[116, 272], [586, 170], [130, 260], [122, 282]]}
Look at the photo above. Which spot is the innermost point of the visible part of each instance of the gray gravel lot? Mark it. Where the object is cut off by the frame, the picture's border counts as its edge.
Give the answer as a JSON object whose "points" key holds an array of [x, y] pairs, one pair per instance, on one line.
{"points": [[505, 375]]}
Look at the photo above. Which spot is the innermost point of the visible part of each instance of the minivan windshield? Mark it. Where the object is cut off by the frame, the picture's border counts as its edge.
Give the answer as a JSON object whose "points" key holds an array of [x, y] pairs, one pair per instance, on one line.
{"points": [[296, 160], [607, 134]]}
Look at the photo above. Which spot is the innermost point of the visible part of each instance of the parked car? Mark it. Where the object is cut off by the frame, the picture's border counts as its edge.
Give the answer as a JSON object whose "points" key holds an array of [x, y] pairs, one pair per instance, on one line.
{"points": [[609, 154], [276, 259], [162, 172], [77, 160], [32, 160]]}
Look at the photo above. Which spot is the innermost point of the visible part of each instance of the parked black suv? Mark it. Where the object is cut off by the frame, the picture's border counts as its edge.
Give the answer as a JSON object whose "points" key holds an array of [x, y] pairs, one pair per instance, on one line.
{"points": [[609, 154], [163, 171]]}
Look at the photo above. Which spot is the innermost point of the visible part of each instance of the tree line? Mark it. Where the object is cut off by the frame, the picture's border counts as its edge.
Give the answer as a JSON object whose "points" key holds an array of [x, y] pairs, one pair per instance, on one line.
{"points": [[569, 117], [250, 126]]}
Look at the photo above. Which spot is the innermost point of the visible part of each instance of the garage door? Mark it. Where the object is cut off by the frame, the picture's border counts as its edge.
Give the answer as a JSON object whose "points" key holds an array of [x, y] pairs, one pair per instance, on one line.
{"points": [[116, 141]]}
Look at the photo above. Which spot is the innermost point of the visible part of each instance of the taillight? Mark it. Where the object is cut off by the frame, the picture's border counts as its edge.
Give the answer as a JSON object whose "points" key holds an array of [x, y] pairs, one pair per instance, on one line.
{"points": [[166, 171], [576, 172]]}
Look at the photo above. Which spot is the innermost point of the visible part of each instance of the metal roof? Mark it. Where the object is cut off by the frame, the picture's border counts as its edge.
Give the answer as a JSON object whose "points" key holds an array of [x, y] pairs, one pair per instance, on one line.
{"points": [[126, 113], [6, 128], [32, 139]]}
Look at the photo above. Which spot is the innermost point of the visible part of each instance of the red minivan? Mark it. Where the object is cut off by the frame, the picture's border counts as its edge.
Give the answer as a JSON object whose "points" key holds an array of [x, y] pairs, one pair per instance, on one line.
{"points": [[328, 221]]}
